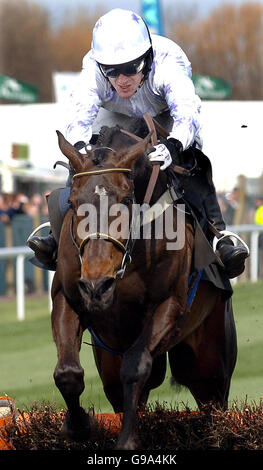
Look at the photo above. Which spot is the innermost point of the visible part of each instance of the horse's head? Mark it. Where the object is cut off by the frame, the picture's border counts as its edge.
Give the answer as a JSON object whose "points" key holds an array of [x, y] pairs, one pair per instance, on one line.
{"points": [[101, 201]]}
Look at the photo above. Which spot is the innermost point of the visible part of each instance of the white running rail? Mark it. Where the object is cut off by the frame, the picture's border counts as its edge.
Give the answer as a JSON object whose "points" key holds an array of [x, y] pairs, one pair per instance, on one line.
{"points": [[22, 252]]}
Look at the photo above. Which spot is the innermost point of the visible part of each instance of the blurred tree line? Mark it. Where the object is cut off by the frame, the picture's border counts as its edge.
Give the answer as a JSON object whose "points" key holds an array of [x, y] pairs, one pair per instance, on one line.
{"points": [[228, 44], [31, 48]]}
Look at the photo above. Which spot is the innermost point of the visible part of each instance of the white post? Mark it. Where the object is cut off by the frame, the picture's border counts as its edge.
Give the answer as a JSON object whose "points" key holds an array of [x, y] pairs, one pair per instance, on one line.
{"points": [[254, 256], [20, 287], [50, 280]]}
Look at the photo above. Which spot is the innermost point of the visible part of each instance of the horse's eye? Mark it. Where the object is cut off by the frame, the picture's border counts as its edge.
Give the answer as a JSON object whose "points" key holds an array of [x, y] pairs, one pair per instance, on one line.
{"points": [[71, 205]]}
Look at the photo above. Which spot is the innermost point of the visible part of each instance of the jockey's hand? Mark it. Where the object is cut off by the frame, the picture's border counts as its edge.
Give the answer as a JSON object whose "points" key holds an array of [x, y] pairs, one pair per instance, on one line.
{"points": [[166, 153], [161, 155]]}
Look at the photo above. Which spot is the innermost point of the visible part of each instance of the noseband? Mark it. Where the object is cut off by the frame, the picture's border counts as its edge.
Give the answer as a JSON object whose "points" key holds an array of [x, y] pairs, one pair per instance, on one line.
{"points": [[127, 248]]}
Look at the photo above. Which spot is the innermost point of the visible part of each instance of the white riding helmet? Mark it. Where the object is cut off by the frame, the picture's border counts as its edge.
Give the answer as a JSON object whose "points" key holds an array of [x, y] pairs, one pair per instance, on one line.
{"points": [[120, 36]]}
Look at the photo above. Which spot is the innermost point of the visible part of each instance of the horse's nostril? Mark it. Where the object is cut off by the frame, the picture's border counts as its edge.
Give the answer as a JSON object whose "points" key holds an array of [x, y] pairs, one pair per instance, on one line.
{"points": [[96, 289], [105, 286], [87, 287]]}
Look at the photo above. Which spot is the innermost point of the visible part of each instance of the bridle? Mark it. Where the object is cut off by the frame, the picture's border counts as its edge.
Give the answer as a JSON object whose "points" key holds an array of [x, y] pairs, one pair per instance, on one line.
{"points": [[128, 247], [125, 248]]}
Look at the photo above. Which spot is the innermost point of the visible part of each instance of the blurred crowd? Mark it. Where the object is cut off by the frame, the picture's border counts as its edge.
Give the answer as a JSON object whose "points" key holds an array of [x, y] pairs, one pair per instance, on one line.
{"points": [[230, 201], [36, 205], [19, 203]]}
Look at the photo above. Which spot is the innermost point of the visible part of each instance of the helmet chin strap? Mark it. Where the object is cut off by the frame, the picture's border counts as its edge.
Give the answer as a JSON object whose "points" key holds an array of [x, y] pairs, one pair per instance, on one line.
{"points": [[142, 82], [148, 63]]}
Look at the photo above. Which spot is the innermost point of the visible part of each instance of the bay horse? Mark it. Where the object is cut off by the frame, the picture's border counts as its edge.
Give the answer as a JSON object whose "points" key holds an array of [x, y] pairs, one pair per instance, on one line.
{"points": [[137, 318]]}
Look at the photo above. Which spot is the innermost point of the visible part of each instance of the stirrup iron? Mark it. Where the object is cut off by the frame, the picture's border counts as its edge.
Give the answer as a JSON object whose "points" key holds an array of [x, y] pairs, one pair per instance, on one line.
{"points": [[234, 237], [45, 224]]}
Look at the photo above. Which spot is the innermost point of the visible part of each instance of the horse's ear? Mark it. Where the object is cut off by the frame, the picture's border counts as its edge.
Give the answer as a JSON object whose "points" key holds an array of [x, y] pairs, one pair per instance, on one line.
{"points": [[128, 158], [78, 160]]}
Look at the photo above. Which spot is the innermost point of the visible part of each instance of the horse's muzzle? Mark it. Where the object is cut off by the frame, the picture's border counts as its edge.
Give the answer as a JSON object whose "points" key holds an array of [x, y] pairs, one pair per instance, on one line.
{"points": [[99, 292]]}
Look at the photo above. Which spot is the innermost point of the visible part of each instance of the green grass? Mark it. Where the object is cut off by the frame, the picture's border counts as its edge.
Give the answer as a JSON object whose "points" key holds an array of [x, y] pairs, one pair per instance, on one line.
{"points": [[28, 356]]}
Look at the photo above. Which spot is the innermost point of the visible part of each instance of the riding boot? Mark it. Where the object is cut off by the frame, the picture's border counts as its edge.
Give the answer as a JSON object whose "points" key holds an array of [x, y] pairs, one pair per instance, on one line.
{"points": [[45, 248], [233, 257]]}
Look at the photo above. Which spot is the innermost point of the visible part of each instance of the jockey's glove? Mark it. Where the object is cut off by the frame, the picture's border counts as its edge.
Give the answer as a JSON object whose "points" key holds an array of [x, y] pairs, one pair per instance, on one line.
{"points": [[167, 153]]}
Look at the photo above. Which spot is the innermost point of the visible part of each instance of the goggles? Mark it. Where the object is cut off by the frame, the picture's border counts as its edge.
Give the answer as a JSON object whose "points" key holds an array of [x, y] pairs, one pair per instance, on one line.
{"points": [[131, 68]]}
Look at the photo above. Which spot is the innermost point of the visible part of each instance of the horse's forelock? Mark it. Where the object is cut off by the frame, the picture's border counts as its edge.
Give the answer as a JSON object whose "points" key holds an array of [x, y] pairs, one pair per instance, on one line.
{"points": [[99, 155]]}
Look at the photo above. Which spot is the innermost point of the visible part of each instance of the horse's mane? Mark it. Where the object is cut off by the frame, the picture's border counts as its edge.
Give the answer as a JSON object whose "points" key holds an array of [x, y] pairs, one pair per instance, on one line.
{"points": [[137, 127], [106, 135]]}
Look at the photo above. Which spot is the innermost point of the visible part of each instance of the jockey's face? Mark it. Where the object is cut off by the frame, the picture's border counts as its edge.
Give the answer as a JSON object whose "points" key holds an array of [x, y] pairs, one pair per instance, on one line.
{"points": [[126, 86]]}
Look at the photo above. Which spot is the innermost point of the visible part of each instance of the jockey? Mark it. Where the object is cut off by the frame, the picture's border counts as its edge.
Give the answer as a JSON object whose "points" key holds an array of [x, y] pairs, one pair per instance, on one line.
{"points": [[130, 72]]}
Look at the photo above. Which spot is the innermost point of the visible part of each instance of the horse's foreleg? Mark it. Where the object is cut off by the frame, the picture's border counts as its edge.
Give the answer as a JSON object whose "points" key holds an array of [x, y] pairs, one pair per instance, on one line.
{"points": [[137, 366], [135, 370], [68, 374]]}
